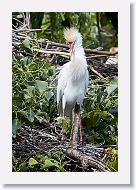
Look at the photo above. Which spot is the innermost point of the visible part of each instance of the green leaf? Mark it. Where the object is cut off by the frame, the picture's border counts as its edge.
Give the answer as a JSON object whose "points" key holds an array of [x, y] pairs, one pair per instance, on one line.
{"points": [[41, 86], [26, 43], [20, 16], [30, 115], [48, 164], [51, 70], [24, 59], [24, 113], [62, 16], [16, 101], [15, 125], [29, 92], [41, 40], [113, 86], [103, 114], [32, 162], [49, 95]]}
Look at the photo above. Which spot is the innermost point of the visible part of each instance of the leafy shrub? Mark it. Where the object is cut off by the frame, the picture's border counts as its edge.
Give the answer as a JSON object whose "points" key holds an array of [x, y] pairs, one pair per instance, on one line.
{"points": [[32, 95], [100, 116], [40, 162]]}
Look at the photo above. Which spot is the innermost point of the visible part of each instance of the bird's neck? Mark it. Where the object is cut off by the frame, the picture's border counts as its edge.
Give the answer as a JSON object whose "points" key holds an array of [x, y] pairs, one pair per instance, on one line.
{"points": [[78, 49], [77, 64], [78, 53]]}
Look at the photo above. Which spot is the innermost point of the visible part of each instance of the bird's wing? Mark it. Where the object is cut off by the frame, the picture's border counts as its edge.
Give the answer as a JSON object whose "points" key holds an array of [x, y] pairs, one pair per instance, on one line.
{"points": [[62, 82]]}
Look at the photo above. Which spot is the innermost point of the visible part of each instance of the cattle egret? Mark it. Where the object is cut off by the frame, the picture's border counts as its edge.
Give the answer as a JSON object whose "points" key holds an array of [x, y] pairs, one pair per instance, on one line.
{"points": [[73, 78]]}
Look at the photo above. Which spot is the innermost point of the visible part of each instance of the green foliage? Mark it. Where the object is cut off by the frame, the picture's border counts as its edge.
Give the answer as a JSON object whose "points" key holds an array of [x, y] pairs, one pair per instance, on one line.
{"points": [[100, 116], [112, 159], [15, 125], [26, 44], [32, 162], [18, 165], [53, 24], [32, 95], [40, 162]]}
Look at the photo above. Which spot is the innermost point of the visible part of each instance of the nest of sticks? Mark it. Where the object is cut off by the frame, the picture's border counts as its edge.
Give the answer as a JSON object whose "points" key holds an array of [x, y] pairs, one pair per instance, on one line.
{"points": [[47, 140]]}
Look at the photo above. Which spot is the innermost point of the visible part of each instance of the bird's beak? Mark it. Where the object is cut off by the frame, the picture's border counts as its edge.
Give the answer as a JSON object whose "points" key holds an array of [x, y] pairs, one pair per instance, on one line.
{"points": [[71, 46]]}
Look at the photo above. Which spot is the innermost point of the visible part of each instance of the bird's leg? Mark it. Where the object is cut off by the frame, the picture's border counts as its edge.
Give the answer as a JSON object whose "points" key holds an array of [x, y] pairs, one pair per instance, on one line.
{"points": [[81, 140], [63, 108], [62, 132]]}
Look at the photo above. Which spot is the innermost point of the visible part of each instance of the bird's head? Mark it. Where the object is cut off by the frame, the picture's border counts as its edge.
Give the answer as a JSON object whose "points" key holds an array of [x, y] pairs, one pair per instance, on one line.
{"points": [[73, 38]]}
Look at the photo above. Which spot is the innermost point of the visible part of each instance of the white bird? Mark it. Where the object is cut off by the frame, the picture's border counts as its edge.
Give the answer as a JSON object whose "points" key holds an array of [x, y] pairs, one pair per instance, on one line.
{"points": [[73, 79]]}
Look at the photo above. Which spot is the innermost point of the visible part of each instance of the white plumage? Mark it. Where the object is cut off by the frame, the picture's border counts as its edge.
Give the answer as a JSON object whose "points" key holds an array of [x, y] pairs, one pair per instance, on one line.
{"points": [[73, 78]]}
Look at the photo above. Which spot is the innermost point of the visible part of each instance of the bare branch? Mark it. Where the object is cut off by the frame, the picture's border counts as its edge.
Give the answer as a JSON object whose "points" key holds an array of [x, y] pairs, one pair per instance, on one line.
{"points": [[67, 55], [96, 72], [87, 161], [29, 30]]}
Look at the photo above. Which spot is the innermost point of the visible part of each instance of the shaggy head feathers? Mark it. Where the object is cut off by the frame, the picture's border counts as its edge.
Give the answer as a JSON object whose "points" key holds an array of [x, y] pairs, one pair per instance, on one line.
{"points": [[70, 34]]}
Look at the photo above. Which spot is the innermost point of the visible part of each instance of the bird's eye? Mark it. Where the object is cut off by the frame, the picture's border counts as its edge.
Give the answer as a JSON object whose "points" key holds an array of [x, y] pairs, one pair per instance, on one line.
{"points": [[70, 43]]}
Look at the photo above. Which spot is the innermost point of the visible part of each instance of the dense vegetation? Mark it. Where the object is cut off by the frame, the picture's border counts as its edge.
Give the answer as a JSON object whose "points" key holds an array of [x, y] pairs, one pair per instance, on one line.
{"points": [[34, 87]]}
